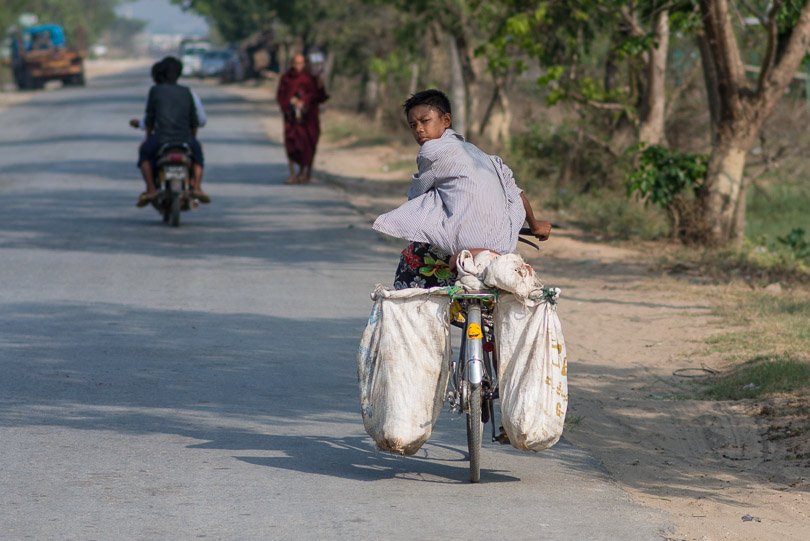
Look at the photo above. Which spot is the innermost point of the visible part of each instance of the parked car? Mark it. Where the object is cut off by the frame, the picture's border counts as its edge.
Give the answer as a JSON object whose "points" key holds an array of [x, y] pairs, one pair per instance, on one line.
{"points": [[213, 62], [191, 54]]}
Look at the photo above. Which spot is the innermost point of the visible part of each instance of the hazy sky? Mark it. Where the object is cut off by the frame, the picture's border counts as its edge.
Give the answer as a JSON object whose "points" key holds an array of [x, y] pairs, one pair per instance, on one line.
{"points": [[164, 17]]}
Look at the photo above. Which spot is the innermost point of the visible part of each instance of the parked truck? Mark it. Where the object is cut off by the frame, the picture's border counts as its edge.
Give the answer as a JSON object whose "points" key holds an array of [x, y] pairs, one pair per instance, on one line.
{"points": [[40, 54]]}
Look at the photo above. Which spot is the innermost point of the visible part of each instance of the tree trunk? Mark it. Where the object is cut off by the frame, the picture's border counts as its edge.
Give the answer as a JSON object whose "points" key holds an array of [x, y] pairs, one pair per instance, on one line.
{"points": [[651, 127], [497, 119], [458, 90], [724, 214], [370, 101], [413, 84]]}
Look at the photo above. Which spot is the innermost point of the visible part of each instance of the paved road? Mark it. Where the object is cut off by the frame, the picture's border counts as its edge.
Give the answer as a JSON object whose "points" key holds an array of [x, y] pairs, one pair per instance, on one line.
{"points": [[199, 382]]}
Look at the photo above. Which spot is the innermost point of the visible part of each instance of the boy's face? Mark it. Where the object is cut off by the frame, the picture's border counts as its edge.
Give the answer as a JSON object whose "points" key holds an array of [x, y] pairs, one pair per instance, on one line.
{"points": [[427, 123]]}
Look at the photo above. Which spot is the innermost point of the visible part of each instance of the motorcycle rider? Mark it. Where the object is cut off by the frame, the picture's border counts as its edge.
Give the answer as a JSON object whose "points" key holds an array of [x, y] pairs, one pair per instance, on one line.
{"points": [[171, 117]]}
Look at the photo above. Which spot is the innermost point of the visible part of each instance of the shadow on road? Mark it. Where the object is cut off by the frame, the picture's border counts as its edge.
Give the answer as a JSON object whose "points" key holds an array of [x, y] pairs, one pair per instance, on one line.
{"points": [[262, 371]]}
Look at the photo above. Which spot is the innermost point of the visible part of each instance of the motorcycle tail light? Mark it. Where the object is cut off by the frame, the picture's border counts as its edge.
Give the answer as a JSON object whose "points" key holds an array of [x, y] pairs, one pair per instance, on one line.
{"points": [[177, 157]]}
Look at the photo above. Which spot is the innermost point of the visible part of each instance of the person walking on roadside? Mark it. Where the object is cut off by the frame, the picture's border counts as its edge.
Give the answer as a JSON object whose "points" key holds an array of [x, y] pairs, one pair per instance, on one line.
{"points": [[299, 94]]}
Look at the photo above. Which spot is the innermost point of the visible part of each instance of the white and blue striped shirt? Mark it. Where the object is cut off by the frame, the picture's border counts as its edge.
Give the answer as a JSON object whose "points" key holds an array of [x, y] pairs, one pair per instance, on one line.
{"points": [[461, 198]]}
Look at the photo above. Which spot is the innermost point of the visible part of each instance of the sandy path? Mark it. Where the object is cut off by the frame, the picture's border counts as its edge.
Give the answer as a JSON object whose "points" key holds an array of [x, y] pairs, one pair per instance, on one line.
{"points": [[627, 330]]}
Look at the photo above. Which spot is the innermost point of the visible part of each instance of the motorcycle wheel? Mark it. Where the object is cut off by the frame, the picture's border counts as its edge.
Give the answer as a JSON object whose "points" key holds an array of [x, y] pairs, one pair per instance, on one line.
{"points": [[174, 210]]}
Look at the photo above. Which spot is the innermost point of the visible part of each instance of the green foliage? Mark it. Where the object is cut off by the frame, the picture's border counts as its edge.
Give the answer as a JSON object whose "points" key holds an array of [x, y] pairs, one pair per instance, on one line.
{"points": [[778, 219], [662, 174], [543, 152], [796, 242], [87, 17], [761, 376]]}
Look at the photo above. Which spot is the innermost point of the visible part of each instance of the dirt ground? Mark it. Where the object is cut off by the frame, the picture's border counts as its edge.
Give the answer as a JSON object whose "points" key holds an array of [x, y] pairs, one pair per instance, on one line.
{"points": [[630, 333]]}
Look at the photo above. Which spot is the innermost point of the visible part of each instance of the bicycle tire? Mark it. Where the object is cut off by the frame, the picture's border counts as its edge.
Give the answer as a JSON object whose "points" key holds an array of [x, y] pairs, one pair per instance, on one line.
{"points": [[474, 427]]}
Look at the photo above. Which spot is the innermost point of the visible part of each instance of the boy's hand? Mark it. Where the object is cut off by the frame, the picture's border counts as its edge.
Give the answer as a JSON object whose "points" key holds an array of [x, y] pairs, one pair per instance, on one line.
{"points": [[134, 122], [540, 229]]}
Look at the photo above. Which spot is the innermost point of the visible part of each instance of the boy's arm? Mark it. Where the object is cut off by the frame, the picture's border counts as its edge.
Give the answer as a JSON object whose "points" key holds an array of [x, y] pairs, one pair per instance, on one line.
{"points": [[149, 117], [540, 229], [424, 180], [194, 121], [198, 106]]}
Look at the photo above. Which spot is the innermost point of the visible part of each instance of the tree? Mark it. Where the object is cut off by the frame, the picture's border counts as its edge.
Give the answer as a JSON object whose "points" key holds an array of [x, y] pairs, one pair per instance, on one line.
{"points": [[83, 20], [743, 105]]}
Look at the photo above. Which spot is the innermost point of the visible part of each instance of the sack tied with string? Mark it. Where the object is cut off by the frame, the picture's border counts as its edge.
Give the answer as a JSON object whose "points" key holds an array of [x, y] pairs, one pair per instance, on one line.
{"points": [[532, 371], [402, 366]]}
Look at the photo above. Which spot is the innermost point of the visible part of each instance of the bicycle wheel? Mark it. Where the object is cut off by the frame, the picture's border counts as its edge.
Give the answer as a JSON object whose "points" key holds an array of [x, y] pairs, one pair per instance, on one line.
{"points": [[474, 433]]}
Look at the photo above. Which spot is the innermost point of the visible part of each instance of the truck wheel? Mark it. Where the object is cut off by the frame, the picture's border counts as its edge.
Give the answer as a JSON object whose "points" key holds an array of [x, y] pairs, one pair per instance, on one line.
{"points": [[26, 81], [78, 79], [19, 79]]}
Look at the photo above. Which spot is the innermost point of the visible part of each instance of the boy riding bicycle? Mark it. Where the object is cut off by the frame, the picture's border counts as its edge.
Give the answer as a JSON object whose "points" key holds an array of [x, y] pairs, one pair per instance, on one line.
{"points": [[461, 199]]}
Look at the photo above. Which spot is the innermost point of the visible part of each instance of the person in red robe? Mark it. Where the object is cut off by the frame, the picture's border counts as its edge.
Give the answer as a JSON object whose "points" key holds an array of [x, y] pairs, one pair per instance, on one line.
{"points": [[299, 94]]}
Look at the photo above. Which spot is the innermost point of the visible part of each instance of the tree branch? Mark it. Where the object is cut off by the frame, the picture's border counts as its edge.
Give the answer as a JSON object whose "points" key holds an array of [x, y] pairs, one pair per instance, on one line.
{"points": [[602, 144], [723, 48], [762, 20], [770, 51], [780, 76]]}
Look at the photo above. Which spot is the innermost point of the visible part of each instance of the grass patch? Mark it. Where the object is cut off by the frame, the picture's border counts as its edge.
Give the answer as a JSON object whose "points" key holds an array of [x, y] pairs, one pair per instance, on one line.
{"points": [[773, 211], [768, 345], [759, 377], [766, 325], [756, 265], [573, 421], [612, 214]]}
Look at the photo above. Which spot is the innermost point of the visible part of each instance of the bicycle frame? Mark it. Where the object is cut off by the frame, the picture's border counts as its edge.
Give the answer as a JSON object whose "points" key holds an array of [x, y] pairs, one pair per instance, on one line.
{"points": [[473, 380]]}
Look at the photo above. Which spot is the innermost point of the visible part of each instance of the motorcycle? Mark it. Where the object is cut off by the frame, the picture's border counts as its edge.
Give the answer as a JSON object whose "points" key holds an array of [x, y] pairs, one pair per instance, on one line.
{"points": [[173, 180]]}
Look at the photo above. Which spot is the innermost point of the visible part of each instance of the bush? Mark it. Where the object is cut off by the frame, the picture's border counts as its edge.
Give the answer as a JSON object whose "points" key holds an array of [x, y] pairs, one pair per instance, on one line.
{"points": [[582, 181], [670, 180]]}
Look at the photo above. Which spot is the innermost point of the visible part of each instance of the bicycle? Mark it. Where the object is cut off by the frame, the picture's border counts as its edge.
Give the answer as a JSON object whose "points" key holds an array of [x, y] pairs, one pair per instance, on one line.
{"points": [[473, 385]]}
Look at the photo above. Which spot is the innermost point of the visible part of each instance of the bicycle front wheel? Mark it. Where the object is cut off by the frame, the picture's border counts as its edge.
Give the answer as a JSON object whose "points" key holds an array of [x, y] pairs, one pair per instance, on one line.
{"points": [[474, 433]]}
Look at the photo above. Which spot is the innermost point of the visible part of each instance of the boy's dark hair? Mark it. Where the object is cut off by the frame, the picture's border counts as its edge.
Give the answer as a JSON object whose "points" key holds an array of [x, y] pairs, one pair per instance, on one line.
{"points": [[172, 68], [158, 75], [432, 97]]}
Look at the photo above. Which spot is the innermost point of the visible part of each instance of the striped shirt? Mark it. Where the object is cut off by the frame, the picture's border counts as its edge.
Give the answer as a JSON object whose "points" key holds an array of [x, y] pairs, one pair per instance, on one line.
{"points": [[461, 198]]}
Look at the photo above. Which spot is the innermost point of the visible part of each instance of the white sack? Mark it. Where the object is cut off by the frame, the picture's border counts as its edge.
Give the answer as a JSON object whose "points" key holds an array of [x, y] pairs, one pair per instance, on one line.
{"points": [[402, 366], [510, 273], [532, 372], [469, 268]]}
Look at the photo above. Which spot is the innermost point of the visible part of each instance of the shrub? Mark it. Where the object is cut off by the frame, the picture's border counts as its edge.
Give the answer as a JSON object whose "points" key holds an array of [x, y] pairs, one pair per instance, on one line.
{"points": [[670, 180]]}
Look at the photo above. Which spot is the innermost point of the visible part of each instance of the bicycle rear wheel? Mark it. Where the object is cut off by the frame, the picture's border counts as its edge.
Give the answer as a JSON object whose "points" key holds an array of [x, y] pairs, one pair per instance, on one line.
{"points": [[474, 433]]}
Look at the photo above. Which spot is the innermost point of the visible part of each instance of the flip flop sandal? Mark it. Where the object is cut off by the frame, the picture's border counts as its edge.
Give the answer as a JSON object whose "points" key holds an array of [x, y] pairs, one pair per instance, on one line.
{"points": [[144, 199]]}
